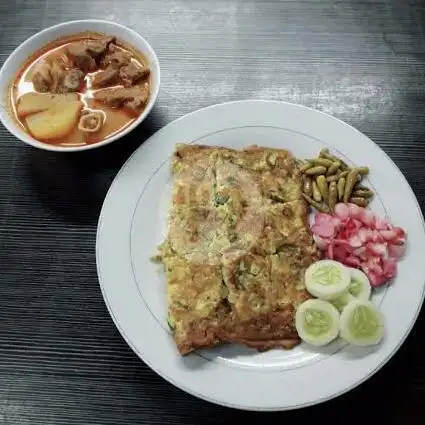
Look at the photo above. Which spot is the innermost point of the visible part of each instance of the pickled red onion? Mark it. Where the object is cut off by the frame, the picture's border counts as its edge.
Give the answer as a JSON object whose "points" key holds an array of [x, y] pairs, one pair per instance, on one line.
{"points": [[359, 238]]}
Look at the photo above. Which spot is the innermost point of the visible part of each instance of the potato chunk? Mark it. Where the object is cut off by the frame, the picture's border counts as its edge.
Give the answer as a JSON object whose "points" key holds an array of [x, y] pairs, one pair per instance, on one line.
{"points": [[31, 103], [55, 122]]}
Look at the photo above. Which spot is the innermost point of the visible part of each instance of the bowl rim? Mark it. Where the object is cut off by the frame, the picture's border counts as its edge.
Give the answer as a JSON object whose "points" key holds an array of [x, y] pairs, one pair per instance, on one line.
{"points": [[57, 148]]}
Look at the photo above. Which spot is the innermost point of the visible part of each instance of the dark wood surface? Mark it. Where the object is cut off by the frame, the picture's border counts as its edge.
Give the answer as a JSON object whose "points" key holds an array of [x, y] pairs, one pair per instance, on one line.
{"points": [[62, 361]]}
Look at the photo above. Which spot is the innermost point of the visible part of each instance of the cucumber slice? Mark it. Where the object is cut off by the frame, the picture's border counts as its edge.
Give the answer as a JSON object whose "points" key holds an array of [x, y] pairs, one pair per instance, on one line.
{"points": [[327, 279], [317, 322], [361, 323], [342, 301], [359, 286]]}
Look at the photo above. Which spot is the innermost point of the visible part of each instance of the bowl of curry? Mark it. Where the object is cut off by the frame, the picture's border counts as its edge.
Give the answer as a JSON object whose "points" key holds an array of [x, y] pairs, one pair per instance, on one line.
{"points": [[78, 85]]}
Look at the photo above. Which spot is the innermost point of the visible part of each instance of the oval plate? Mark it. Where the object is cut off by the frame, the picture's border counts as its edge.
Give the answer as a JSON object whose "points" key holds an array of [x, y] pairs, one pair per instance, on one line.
{"points": [[133, 223]]}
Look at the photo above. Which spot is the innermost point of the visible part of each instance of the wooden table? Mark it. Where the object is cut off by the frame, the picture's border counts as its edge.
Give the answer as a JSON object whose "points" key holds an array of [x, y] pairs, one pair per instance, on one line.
{"points": [[62, 361]]}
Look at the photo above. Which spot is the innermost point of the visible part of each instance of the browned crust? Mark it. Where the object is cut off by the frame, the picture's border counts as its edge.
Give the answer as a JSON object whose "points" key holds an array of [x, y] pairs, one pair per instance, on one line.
{"points": [[200, 335], [274, 329]]}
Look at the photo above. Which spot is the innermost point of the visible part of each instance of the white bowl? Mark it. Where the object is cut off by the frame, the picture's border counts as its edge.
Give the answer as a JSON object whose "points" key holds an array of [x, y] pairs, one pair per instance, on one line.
{"points": [[15, 61]]}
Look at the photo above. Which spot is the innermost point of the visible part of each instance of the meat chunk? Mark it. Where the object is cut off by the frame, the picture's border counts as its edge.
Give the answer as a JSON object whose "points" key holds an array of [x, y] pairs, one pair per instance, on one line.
{"points": [[57, 73], [133, 72], [105, 78], [84, 54], [42, 78], [72, 80], [139, 101], [133, 98], [64, 80], [64, 61], [81, 57], [56, 79], [96, 48], [115, 57]]}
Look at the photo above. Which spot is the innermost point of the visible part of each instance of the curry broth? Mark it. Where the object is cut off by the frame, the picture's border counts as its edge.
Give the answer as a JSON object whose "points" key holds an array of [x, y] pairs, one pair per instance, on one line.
{"points": [[115, 119]]}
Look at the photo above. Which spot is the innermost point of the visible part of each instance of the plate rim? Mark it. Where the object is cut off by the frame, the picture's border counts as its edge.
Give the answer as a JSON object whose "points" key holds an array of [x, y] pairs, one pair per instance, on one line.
{"points": [[182, 385]]}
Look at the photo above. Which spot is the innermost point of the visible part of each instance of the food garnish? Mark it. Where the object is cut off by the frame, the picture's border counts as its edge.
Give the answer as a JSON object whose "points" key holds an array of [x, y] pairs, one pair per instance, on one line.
{"points": [[333, 181], [359, 238], [342, 301], [319, 206], [317, 196], [361, 323], [359, 286], [359, 289], [348, 235], [317, 322], [327, 279], [320, 273]]}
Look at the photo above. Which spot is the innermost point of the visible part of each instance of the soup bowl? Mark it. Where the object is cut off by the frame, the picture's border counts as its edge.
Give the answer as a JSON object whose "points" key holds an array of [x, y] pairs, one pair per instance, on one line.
{"points": [[17, 59]]}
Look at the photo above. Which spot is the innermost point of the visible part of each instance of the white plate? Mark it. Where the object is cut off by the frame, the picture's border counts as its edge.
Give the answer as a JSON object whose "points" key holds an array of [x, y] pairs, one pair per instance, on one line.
{"points": [[133, 222]]}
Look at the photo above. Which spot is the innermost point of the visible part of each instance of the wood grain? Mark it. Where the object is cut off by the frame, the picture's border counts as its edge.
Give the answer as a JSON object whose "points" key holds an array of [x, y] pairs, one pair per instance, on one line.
{"points": [[61, 359]]}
